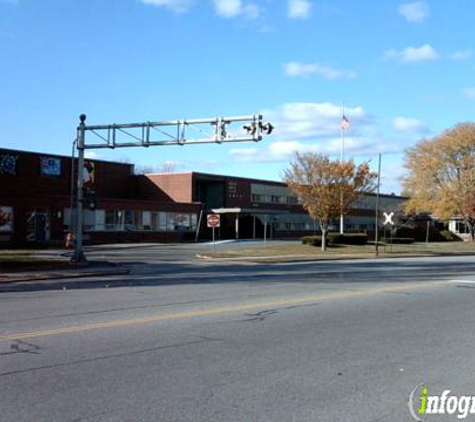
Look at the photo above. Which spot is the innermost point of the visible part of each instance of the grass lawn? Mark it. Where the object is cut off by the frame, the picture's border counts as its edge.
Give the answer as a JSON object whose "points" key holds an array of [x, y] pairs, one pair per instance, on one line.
{"points": [[18, 260], [299, 251]]}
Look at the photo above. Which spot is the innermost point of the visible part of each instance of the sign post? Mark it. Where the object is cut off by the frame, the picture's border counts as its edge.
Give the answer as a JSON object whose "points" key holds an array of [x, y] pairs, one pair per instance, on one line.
{"points": [[213, 221], [388, 221]]}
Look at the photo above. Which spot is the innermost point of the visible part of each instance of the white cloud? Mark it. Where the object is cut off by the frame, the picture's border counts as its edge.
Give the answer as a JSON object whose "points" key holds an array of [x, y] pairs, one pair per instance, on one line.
{"points": [[461, 55], [392, 174], [283, 151], [177, 6], [413, 54], [312, 120], [315, 127], [327, 72], [223, 8], [299, 9], [469, 93], [414, 12], [409, 125], [234, 8], [92, 155]]}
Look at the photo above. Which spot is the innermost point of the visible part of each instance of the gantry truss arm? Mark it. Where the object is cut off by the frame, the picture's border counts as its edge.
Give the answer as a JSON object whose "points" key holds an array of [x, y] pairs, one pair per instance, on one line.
{"points": [[175, 132], [148, 134]]}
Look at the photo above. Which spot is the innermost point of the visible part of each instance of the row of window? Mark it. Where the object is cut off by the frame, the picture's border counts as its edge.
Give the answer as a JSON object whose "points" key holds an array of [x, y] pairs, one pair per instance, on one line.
{"points": [[135, 220], [302, 226], [274, 199]]}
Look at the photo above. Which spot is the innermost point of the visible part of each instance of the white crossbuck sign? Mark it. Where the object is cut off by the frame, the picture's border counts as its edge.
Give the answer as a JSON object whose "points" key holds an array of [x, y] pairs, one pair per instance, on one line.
{"points": [[388, 218]]}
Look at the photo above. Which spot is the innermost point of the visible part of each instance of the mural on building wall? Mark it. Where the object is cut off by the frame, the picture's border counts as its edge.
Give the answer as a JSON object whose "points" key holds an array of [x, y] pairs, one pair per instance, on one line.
{"points": [[50, 166], [6, 219], [89, 175], [8, 164]]}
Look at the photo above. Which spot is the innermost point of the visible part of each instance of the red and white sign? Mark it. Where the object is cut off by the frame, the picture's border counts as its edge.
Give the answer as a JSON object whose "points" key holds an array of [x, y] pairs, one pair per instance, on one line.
{"points": [[213, 220]]}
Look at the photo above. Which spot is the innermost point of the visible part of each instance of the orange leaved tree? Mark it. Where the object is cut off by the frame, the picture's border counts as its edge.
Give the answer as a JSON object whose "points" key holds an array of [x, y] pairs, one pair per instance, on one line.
{"points": [[326, 189], [441, 177]]}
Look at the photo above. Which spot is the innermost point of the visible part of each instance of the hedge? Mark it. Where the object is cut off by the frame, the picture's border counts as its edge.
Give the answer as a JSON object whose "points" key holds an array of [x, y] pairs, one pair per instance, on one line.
{"points": [[337, 239], [348, 239], [450, 237], [313, 240], [420, 234]]}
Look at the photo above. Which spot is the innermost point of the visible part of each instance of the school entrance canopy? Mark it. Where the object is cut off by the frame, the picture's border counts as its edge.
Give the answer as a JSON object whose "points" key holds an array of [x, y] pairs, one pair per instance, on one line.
{"points": [[265, 216]]}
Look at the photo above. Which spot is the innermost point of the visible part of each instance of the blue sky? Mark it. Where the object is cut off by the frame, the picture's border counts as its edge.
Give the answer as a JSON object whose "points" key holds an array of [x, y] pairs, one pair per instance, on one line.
{"points": [[404, 70]]}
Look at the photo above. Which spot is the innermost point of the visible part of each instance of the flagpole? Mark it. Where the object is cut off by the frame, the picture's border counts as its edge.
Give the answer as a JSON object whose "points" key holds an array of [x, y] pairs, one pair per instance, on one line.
{"points": [[342, 146], [342, 141]]}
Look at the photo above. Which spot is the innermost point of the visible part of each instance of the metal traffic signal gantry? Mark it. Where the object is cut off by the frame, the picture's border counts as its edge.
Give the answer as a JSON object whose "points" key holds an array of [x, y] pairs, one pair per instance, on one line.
{"points": [[148, 134]]}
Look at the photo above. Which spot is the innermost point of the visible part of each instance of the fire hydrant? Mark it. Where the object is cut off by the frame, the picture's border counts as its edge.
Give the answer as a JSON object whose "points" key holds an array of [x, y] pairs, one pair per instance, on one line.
{"points": [[69, 241]]}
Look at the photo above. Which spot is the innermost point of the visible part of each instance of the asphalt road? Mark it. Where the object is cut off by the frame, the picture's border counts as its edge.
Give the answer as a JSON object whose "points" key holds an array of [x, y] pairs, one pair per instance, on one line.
{"points": [[186, 340]]}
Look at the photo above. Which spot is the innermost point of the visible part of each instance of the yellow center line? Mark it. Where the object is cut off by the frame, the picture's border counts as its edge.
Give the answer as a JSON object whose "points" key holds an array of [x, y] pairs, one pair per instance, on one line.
{"points": [[221, 310]]}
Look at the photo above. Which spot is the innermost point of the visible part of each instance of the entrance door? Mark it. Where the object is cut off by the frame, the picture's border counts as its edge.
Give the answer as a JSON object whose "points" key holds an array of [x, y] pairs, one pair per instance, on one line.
{"points": [[38, 226]]}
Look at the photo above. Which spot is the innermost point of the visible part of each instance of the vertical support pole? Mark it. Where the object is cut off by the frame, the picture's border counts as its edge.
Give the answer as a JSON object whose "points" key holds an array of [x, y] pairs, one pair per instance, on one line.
{"points": [[265, 231], [427, 232], [78, 256], [214, 242], [198, 226], [237, 226], [72, 219], [376, 216], [342, 148]]}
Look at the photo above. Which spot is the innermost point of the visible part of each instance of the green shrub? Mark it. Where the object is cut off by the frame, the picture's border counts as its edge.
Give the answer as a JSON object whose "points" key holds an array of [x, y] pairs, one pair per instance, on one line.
{"points": [[400, 240], [450, 237], [348, 239]]}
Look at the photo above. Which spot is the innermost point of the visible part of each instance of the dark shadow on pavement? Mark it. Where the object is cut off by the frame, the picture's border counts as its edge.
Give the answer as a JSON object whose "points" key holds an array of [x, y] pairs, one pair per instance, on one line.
{"points": [[330, 272]]}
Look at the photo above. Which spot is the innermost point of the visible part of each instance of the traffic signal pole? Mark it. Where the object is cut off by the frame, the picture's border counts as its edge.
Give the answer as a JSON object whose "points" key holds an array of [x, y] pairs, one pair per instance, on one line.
{"points": [[171, 132], [78, 255]]}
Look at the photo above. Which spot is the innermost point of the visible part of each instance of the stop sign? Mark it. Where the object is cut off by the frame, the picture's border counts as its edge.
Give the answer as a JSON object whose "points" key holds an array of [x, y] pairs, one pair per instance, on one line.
{"points": [[213, 220]]}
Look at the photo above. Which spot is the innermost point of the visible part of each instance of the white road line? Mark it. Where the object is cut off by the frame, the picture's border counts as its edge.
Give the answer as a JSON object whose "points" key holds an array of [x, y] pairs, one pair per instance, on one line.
{"points": [[462, 281]]}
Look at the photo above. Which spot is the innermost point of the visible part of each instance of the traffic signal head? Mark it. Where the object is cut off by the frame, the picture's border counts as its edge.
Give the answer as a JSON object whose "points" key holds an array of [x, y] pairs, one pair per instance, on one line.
{"points": [[91, 204], [250, 128], [266, 128]]}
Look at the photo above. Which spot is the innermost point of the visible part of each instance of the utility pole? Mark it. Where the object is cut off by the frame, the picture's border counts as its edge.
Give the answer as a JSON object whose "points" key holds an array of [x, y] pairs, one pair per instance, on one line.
{"points": [[170, 132]]}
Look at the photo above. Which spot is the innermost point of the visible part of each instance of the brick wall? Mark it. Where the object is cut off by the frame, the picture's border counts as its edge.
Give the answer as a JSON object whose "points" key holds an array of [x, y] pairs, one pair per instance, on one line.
{"points": [[176, 186], [112, 180]]}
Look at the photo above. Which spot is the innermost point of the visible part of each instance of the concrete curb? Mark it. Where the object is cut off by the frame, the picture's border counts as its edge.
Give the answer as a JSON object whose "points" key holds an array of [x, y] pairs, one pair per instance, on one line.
{"points": [[25, 277], [284, 259]]}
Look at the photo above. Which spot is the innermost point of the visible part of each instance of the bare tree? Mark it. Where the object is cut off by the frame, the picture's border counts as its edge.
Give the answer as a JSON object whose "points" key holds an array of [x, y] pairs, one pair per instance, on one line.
{"points": [[168, 167], [143, 169], [327, 188], [165, 167]]}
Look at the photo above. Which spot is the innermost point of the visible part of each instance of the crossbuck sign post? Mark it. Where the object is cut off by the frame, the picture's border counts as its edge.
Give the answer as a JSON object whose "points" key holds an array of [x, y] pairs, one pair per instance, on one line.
{"points": [[148, 134], [388, 218]]}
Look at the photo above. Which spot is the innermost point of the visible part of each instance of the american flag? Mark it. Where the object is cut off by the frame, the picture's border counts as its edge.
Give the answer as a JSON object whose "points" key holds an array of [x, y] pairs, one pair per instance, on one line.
{"points": [[345, 123]]}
